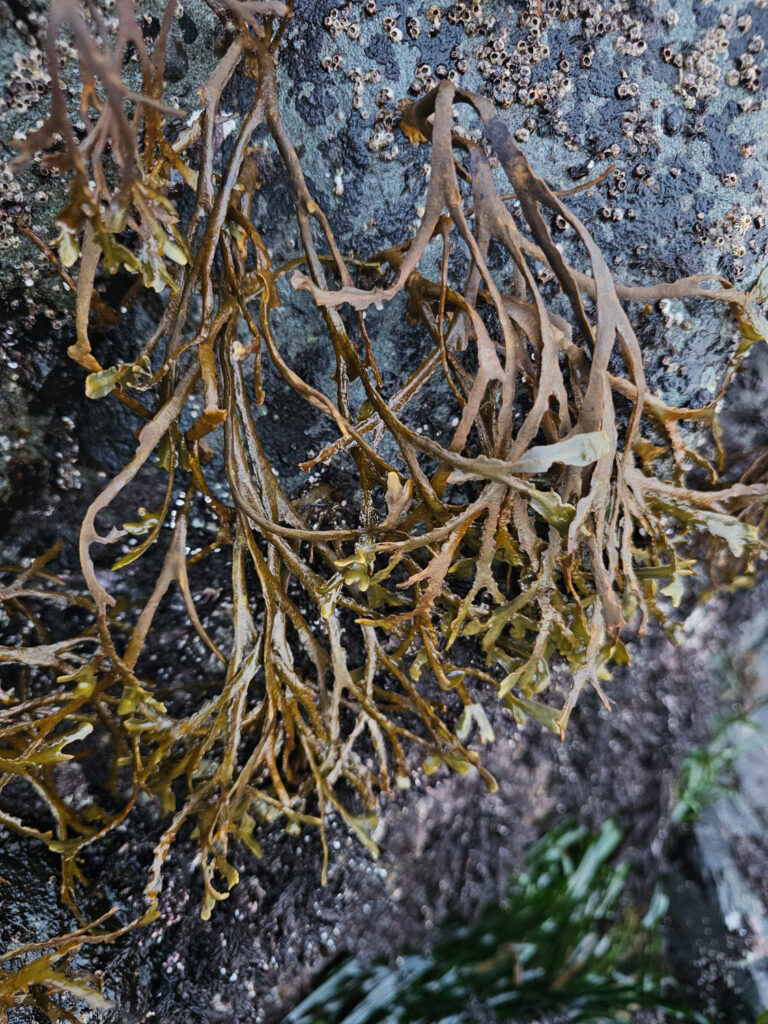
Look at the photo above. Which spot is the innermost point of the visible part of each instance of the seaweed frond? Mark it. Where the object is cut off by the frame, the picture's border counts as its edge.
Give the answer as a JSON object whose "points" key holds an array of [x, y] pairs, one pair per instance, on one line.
{"points": [[493, 566]]}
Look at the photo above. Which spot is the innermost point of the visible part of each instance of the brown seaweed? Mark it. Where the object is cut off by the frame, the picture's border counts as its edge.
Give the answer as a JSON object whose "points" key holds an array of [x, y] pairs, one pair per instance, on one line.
{"points": [[492, 567]]}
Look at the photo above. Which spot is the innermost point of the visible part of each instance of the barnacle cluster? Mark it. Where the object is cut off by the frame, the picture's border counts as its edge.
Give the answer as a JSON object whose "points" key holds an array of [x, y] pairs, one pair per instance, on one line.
{"points": [[519, 60], [10, 196], [700, 66], [498, 564]]}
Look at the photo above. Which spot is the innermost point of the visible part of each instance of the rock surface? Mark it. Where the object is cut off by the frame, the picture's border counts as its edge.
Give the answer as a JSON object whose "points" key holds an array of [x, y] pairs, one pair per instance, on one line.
{"points": [[731, 836]]}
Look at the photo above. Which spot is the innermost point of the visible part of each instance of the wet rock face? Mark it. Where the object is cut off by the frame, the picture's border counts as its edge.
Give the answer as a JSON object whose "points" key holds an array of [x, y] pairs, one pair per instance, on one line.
{"points": [[731, 838], [642, 90], [667, 100], [23, 919]]}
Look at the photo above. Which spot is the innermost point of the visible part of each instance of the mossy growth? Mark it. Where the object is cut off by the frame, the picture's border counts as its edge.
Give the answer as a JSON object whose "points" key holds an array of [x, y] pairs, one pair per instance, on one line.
{"points": [[561, 946], [503, 564]]}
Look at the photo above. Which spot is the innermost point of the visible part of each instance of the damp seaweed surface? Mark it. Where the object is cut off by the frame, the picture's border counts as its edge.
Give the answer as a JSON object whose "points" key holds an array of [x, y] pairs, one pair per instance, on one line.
{"points": [[559, 506]]}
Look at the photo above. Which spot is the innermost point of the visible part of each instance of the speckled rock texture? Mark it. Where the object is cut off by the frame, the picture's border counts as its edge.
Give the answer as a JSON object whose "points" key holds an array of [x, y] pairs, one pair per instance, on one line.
{"points": [[663, 100], [731, 837]]}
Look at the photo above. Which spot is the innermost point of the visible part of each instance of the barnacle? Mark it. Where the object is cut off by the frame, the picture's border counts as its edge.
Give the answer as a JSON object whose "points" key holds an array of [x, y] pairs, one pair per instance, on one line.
{"points": [[491, 567]]}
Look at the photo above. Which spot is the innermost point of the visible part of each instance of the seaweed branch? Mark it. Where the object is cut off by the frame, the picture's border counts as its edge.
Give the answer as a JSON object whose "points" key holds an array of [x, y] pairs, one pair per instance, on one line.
{"points": [[501, 565]]}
